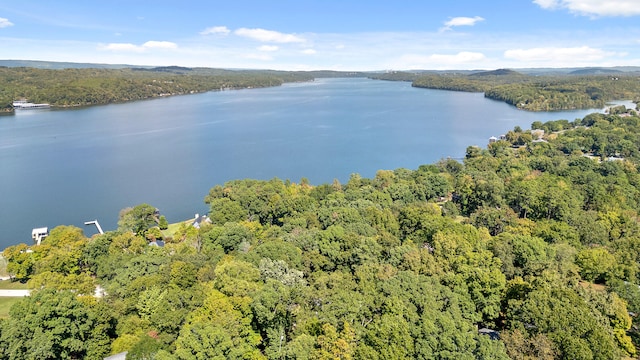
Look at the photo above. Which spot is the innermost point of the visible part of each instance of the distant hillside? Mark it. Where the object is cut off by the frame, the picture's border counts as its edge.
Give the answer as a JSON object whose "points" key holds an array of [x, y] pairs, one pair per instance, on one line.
{"points": [[59, 65], [334, 74], [576, 71], [330, 73], [499, 72], [579, 89], [595, 71], [72, 87], [168, 69]]}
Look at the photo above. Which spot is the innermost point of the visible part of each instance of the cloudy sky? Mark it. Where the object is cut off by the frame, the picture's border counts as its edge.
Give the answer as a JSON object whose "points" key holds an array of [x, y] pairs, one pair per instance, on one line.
{"points": [[325, 34]]}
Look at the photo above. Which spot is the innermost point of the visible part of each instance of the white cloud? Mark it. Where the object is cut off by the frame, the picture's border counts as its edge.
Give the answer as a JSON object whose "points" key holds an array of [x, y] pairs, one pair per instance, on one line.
{"points": [[547, 4], [309, 51], [593, 8], [461, 21], [268, 36], [268, 48], [122, 47], [160, 45], [5, 23], [222, 30], [558, 55]]}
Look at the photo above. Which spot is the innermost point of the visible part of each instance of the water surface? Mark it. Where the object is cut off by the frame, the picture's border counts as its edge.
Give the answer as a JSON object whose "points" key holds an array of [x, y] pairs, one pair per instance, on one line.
{"points": [[65, 167]]}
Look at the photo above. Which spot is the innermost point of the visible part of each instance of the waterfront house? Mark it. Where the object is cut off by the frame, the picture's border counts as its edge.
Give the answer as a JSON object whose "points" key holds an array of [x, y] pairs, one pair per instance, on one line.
{"points": [[200, 219], [38, 234]]}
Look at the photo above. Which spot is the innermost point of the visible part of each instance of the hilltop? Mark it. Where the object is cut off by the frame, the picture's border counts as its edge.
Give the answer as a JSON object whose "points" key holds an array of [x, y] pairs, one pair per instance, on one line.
{"points": [[498, 72]]}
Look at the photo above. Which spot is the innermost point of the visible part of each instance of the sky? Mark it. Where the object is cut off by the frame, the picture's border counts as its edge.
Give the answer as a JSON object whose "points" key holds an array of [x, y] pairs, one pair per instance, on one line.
{"points": [[345, 35]]}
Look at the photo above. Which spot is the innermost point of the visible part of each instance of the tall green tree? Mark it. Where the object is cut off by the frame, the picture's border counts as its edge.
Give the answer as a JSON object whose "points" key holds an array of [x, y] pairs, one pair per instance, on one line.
{"points": [[55, 325], [138, 219]]}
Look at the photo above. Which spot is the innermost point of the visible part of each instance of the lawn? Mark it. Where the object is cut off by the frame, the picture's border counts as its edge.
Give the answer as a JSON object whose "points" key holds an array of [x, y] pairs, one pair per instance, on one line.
{"points": [[5, 305], [171, 230], [9, 285]]}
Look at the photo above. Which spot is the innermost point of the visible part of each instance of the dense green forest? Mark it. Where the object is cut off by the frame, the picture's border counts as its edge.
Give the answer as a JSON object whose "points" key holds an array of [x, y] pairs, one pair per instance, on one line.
{"points": [[533, 93], [528, 249], [90, 86]]}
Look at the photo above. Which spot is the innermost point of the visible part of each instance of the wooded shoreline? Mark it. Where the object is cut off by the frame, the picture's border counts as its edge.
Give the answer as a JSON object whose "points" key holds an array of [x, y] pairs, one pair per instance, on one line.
{"points": [[75, 87]]}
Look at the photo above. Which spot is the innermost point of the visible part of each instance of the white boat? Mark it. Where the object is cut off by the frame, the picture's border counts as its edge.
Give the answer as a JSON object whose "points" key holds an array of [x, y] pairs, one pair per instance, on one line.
{"points": [[24, 105]]}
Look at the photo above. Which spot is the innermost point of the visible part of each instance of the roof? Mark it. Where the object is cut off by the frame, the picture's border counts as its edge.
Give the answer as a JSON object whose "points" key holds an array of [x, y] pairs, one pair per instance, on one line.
{"points": [[40, 230], [494, 335], [199, 219], [158, 243]]}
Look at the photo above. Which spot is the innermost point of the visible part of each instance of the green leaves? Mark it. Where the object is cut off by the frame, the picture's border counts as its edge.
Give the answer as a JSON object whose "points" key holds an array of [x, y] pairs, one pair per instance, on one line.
{"points": [[54, 325], [138, 219], [218, 331]]}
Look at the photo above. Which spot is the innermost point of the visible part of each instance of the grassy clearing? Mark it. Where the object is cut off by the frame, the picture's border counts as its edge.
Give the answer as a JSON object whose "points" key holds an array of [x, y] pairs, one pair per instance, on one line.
{"points": [[5, 305], [9, 285], [171, 230]]}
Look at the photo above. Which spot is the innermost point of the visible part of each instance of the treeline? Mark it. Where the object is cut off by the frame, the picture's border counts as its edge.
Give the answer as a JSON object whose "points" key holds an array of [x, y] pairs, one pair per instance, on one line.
{"points": [[395, 76], [83, 87], [540, 93], [528, 249]]}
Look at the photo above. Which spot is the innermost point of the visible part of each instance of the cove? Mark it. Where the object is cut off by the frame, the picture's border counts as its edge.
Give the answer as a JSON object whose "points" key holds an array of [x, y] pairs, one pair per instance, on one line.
{"points": [[65, 167]]}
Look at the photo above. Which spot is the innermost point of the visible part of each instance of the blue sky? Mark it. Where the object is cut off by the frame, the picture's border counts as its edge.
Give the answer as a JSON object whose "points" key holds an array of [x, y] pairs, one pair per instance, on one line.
{"points": [[327, 34]]}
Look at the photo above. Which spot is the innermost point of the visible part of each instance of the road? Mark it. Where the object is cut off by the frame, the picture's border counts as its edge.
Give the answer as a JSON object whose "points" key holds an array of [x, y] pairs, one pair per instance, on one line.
{"points": [[14, 293]]}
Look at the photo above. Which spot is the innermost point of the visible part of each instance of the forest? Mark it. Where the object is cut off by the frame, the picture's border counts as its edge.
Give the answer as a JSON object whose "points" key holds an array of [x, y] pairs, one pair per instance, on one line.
{"points": [[73, 87], [532, 93], [526, 249]]}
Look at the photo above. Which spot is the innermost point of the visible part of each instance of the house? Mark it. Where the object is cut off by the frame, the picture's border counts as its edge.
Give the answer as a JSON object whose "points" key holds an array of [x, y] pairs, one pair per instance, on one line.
{"points": [[200, 219], [158, 243], [492, 139], [38, 234]]}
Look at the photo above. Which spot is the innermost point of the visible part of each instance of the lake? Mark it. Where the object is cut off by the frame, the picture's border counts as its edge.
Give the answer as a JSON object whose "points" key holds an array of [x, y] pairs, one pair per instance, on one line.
{"points": [[65, 167]]}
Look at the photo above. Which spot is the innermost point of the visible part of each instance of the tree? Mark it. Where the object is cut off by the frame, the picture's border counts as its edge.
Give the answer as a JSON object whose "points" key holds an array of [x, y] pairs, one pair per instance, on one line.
{"points": [[560, 314], [138, 219], [55, 325], [334, 345], [162, 223], [218, 331], [224, 210], [595, 264], [20, 261], [493, 219], [522, 255], [145, 349]]}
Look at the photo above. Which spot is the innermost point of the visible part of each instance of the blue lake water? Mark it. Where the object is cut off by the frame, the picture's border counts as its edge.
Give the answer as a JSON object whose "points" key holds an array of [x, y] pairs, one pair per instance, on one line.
{"points": [[65, 167]]}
